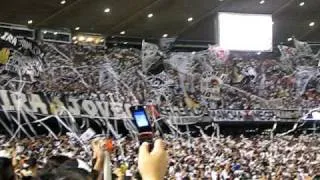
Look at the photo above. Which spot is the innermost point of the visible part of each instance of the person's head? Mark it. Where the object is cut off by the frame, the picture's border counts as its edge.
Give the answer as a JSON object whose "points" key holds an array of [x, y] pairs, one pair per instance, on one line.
{"points": [[54, 162], [76, 164], [65, 174], [6, 169], [32, 163]]}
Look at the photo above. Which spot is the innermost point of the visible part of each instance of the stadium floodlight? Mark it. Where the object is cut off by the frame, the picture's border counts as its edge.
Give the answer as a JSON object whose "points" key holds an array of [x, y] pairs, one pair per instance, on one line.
{"points": [[245, 32]]}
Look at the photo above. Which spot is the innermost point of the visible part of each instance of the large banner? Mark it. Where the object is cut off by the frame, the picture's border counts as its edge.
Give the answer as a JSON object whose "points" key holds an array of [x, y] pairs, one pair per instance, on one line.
{"points": [[45, 104], [264, 115], [20, 55]]}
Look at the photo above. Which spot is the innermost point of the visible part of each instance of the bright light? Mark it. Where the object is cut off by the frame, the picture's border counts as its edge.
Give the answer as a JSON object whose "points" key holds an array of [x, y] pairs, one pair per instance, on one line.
{"points": [[45, 32], [107, 10], [63, 2], [289, 39], [253, 31], [74, 38], [259, 53], [312, 24], [125, 42], [262, 2], [193, 53], [190, 19], [150, 15], [165, 35], [81, 38], [55, 33], [77, 28], [316, 115], [89, 39], [30, 21], [301, 4], [101, 40], [122, 32]]}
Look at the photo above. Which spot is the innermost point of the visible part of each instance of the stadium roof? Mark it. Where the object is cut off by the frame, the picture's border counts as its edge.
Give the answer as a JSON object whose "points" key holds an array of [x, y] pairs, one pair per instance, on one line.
{"points": [[154, 18]]}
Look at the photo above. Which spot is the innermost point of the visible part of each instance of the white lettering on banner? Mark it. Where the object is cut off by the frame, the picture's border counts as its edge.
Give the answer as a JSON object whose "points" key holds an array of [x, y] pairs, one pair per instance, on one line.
{"points": [[25, 44], [103, 108], [180, 111], [13, 40], [127, 109], [35, 103], [255, 115], [6, 105], [19, 101], [38, 104], [22, 44], [73, 106], [9, 101], [10, 38], [4, 36], [117, 109], [28, 46], [90, 108]]}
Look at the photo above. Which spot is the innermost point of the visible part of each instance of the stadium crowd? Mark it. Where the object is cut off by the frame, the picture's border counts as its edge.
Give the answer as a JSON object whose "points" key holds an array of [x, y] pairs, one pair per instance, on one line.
{"points": [[88, 73], [287, 82], [204, 157]]}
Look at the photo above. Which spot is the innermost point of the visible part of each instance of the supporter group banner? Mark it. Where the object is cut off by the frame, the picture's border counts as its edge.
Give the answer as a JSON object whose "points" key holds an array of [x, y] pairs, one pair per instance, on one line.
{"points": [[20, 55], [43, 104], [46, 104], [257, 115]]}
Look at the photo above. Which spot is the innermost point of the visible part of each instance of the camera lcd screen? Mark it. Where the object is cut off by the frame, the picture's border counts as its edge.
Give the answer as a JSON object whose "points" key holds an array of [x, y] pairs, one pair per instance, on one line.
{"points": [[141, 118]]}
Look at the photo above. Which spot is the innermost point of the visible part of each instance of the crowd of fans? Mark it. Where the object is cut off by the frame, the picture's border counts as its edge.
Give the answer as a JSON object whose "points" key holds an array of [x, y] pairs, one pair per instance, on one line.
{"points": [[247, 82], [239, 84], [203, 157]]}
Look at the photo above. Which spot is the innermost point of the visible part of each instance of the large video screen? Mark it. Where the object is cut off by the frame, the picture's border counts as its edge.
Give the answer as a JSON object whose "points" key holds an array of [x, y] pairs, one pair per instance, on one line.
{"points": [[245, 32]]}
